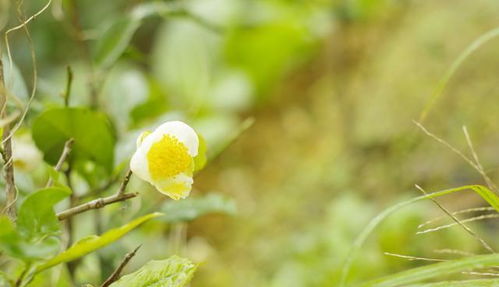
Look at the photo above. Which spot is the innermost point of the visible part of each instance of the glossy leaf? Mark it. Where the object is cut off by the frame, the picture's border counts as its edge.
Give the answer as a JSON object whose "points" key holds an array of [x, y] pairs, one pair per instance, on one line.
{"points": [[92, 133], [172, 272], [92, 243]]}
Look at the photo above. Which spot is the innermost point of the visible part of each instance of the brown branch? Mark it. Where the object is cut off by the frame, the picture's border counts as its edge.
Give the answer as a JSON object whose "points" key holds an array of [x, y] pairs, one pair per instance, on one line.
{"points": [[68, 146], [116, 274], [10, 186], [120, 195], [124, 183]]}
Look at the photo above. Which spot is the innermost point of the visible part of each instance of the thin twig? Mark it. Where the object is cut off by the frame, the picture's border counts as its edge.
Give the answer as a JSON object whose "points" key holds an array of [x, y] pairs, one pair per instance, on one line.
{"points": [[10, 186], [471, 232], [120, 195], [24, 21], [68, 146], [454, 252], [452, 148], [117, 272], [414, 258], [481, 170], [464, 211], [476, 218], [68, 85], [124, 183]]}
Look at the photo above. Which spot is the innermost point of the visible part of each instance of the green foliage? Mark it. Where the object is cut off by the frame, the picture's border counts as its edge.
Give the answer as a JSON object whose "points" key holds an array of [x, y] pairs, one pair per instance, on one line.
{"points": [[172, 272], [35, 235], [194, 207], [37, 219], [92, 243], [115, 40], [93, 136], [483, 191], [434, 270]]}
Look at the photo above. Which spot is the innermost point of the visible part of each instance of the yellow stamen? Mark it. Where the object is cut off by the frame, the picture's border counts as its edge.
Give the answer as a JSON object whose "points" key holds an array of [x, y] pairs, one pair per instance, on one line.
{"points": [[176, 190], [168, 157]]}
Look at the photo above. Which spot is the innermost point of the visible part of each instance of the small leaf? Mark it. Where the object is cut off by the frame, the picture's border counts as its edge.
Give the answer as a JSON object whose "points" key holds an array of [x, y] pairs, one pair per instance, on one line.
{"points": [[37, 218], [13, 244], [172, 272], [92, 133], [37, 226], [192, 207], [92, 243], [115, 40]]}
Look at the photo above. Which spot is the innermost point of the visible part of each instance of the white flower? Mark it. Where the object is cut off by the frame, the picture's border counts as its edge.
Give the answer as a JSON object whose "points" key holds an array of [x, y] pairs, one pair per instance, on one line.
{"points": [[165, 158]]}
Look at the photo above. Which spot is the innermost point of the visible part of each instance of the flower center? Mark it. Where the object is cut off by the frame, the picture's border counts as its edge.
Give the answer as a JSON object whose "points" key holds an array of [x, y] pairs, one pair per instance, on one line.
{"points": [[168, 157]]}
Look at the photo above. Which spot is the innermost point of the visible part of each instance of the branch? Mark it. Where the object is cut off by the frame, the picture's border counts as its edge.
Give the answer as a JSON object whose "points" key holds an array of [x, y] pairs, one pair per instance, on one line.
{"points": [[10, 186], [68, 146], [116, 274], [120, 195]]}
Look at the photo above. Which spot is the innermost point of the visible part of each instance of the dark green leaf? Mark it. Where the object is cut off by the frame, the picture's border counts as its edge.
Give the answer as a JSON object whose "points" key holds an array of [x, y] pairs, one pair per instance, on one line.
{"points": [[92, 133]]}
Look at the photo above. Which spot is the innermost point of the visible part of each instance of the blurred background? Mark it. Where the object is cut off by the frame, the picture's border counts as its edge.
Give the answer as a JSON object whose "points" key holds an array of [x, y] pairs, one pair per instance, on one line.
{"points": [[307, 109]]}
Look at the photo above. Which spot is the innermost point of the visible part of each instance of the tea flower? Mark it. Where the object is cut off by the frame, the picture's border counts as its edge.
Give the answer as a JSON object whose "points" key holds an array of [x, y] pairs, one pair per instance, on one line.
{"points": [[165, 158]]}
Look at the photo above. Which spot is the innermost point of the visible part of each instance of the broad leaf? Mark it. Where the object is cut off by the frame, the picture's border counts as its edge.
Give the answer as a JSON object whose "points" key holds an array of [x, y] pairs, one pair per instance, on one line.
{"points": [[37, 230], [172, 272], [192, 207], [15, 245], [92, 133], [92, 243], [37, 218]]}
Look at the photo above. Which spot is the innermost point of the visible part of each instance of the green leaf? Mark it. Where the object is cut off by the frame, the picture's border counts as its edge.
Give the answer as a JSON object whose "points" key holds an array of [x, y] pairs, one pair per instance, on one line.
{"points": [[172, 272], [115, 40], [439, 269], [192, 207], [15, 245], [37, 218], [92, 243], [92, 133], [482, 191], [37, 226]]}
